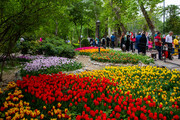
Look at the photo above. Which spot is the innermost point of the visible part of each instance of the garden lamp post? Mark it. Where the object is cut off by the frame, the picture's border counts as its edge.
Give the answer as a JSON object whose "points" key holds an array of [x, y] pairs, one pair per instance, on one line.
{"points": [[99, 41]]}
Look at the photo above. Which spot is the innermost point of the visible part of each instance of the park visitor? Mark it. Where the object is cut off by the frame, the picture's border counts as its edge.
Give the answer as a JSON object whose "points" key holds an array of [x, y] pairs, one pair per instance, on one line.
{"points": [[89, 38], [169, 41], [40, 39], [103, 41], [122, 42], [91, 41], [142, 43], [133, 43], [94, 43], [97, 42], [150, 44], [22, 39], [107, 41], [164, 39], [137, 42], [176, 46], [147, 37], [128, 42], [112, 40], [158, 44]]}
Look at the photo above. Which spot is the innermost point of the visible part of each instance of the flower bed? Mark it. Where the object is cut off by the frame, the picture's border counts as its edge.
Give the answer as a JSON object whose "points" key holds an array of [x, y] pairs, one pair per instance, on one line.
{"points": [[119, 57], [48, 65], [120, 93], [90, 50], [85, 48]]}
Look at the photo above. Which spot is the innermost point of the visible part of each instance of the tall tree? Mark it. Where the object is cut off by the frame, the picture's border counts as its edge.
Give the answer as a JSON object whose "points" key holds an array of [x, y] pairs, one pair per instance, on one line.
{"points": [[173, 19], [18, 17], [77, 16], [117, 11], [148, 20]]}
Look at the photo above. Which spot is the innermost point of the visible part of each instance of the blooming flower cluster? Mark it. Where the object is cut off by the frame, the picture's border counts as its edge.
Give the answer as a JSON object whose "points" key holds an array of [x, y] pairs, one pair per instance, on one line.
{"points": [[133, 93], [48, 65], [119, 57], [90, 50], [46, 62], [85, 48], [14, 107]]}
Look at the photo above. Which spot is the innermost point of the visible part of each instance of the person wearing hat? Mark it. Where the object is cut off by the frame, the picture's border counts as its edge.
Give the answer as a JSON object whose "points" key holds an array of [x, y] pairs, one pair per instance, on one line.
{"points": [[169, 41], [158, 44]]}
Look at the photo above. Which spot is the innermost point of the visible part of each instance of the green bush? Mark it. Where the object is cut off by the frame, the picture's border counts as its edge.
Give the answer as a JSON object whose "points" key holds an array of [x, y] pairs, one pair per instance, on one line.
{"points": [[49, 47], [85, 43], [76, 45]]}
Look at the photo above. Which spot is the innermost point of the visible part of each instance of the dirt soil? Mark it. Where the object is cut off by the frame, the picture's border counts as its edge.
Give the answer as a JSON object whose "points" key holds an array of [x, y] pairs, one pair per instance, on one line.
{"points": [[8, 76], [85, 60]]}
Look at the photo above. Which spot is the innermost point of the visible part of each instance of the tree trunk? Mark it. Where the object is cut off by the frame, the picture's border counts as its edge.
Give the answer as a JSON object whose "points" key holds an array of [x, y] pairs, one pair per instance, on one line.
{"points": [[106, 30], [119, 29], [80, 36], [117, 11], [2, 67], [148, 20], [56, 31]]}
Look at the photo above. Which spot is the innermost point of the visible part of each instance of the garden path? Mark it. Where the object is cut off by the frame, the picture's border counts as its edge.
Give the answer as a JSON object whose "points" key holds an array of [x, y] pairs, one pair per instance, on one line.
{"points": [[8, 76]]}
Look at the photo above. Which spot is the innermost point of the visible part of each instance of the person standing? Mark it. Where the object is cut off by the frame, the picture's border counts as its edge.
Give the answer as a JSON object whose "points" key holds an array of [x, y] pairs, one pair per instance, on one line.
{"points": [[138, 37], [169, 41], [133, 43], [176, 46], [128, 42], [122, 41], [158, 44], [147, 37], [112, 40], [131, 38], [89, 39], [150, 44], [142, 43], [91, 42], [107, 41], [103, 41]]}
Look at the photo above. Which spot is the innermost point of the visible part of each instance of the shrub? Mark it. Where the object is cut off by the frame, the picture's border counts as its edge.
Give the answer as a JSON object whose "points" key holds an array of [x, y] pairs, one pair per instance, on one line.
{"points": [[76, 45], [57, 47], [49, 47], [85, 43]]}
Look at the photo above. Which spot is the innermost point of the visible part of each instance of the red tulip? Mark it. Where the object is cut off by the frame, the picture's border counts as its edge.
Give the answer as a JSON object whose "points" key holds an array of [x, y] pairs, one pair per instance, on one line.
{"points": [[117, 115], [176, 117]]}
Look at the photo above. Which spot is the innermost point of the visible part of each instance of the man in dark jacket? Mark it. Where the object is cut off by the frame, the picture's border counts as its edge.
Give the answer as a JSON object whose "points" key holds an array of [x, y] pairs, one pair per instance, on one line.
{"points": [[107, 41], [142, 43], [137, 42]]}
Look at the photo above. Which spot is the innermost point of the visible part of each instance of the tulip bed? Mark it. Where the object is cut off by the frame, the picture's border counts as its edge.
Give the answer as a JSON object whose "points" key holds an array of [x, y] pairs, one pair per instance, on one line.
{"points": [[119, 57], [90, 50], [48, 65], [133, 93]]}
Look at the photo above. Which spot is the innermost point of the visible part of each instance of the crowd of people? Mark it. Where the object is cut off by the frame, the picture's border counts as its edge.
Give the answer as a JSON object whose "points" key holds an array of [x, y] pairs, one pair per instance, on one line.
{"points": [[142, 42]]}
